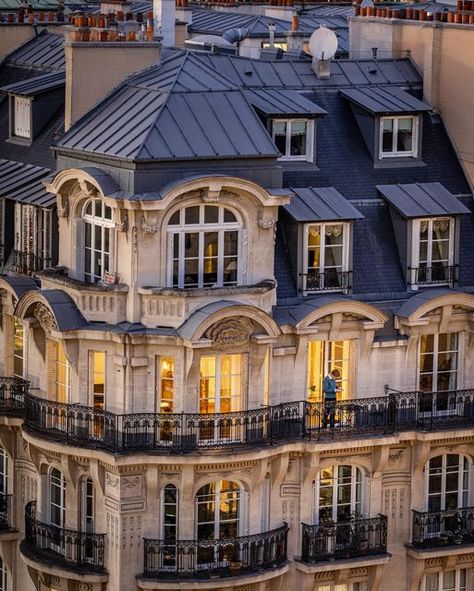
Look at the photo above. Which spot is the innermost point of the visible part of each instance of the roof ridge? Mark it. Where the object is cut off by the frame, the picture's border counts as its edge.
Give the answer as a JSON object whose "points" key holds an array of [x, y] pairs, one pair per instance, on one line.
{"points": [[167, 93]]}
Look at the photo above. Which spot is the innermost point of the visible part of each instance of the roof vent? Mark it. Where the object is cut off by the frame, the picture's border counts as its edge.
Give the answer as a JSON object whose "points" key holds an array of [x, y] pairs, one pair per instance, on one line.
{"points": [[323, 47]]}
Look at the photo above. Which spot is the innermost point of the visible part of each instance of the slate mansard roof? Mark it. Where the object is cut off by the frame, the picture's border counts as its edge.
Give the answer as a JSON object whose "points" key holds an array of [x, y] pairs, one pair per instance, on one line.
{"points": [[201, 105]]}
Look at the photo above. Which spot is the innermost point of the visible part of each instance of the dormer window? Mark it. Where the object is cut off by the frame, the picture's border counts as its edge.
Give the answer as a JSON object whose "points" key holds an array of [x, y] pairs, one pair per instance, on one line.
{"points": [[398, 137], [426, 222], [433, 251], [294, 138], [21, 117], [326, 257], [322, 219], [395, 131]]}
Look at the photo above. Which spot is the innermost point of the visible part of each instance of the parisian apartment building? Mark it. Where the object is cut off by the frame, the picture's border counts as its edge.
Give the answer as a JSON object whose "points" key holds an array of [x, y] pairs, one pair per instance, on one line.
{"points": [[236, 296]]}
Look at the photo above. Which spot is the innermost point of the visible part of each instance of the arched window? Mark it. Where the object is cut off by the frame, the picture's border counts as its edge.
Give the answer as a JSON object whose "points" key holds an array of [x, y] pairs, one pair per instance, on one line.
{"points": [[338, 494], [203, 245], [57, 498], [3, 575], [3, 472], [218, 510], [448, 482], [98, 239]]}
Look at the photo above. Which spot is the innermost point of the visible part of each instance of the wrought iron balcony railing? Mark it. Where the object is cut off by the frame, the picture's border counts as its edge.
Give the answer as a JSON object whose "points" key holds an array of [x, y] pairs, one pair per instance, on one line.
{"points": [[67, 548], [6, 512], [346, 539], [28, 263], [190, 559], [443, 528], [329, 280], [290, 421], [12, 394], [436, 274]]}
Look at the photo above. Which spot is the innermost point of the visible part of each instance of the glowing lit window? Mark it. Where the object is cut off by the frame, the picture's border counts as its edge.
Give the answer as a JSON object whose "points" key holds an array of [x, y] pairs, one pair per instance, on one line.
{"points": [[203, 246], [18, 349], [324, 357]]}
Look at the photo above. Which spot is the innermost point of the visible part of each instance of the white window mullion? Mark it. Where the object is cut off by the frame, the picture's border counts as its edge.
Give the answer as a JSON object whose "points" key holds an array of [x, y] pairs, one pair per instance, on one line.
{"points": [[201, 259]]}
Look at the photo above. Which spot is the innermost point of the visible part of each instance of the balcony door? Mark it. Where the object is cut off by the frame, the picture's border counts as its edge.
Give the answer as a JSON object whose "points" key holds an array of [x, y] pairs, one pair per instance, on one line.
{"points": [[87, 519], [447, 491], [221, 391], [438, 374], [339, 494], [324, 357], [57, 509], [218, 508], [97, 382]]}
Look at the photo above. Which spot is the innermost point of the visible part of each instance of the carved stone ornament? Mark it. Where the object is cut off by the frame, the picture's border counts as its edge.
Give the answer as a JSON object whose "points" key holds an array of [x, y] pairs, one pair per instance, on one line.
{"points": [[210, 196], [63, 209], [231, 332], [123, 224], [88, 189], [264, 224], [45, 317], [135, 239], [147, 229]]}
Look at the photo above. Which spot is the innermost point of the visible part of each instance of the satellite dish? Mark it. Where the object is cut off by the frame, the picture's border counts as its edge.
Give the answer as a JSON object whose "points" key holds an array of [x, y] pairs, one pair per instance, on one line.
{"points": [[366, 4], [323, 44]]}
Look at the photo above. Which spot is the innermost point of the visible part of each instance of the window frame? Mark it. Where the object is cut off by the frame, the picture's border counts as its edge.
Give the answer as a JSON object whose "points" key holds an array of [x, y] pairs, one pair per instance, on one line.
{"points": [[346, 240], [356, 504], [3, 471], [464, 469], [21, 125], [310, 134], [65, 363], [92, 373], [106, 225], [440, 576], [216, 500], [413, 153], [218, 378], [202, 228], [416, 242], [436, 356], [23, 356]]}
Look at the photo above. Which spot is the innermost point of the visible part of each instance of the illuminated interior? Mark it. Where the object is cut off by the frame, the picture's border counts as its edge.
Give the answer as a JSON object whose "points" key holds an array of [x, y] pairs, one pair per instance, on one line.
{"points": [[323, 357]]}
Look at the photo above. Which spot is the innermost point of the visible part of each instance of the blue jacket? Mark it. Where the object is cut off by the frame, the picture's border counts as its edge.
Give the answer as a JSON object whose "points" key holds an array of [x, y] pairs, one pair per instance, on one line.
{"points": [[329, 388]]}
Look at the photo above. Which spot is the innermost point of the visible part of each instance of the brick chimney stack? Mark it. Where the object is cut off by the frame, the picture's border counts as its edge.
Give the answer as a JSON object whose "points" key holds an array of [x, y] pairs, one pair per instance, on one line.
{"points": [[99, 58]]}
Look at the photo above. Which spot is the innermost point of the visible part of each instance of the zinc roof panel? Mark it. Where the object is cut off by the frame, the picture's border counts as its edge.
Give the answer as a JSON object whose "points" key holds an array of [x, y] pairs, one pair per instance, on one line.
{"points": [[321, 204], [391, 99], [418, 200]]}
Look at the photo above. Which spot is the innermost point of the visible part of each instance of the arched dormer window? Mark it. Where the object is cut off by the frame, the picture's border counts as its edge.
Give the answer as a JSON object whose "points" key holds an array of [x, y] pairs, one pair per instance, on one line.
{"points": [[98, 239], [203, 247]]}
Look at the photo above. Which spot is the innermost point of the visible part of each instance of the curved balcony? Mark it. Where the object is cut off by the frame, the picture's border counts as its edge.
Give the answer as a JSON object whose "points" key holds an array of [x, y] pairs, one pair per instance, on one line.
{"points": [[12, 393], [204, 559], [292, 421], [346, 539], [67, 549], [443, 528]]}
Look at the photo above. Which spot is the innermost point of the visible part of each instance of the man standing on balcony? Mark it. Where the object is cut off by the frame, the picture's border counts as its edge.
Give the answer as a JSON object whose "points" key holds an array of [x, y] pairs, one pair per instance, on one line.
{"points": [[330, 389]]}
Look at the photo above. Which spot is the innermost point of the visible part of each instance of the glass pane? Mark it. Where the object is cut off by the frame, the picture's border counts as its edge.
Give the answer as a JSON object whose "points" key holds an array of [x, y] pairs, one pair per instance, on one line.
{"points": [[191, 244], [229, 217], [211, 214], [387, 135], [192, 215], [230, 243], [279, 133], [174, 219], [432, 582], [405, 134], [298, 138]]}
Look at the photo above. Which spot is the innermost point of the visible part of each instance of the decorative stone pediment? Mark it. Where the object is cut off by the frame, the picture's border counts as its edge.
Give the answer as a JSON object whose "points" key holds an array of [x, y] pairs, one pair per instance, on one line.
{"points": [[231, 332], [45, 317]]}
